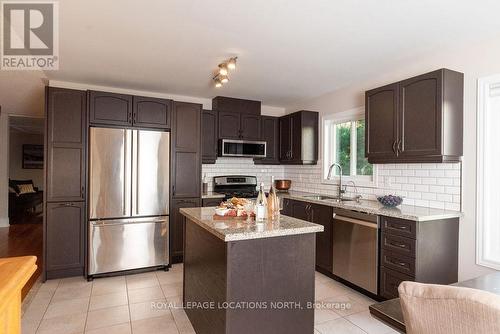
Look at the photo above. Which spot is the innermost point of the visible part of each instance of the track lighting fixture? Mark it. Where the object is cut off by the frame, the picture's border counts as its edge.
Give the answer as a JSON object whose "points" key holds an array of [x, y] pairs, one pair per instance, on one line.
{"points": [[223, 70]]}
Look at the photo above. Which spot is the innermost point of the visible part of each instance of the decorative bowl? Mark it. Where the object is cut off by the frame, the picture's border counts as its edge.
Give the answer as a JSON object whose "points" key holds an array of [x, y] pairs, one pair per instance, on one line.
{"points": [[282, 185], [390, 201]]}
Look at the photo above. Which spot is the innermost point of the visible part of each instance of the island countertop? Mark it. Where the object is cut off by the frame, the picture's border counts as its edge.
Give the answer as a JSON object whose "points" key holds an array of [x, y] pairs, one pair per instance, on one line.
{"points": [[228, 229]]}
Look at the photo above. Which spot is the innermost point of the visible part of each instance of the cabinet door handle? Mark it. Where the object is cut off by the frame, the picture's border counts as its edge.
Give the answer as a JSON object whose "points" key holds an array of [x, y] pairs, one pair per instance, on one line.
{"points": [[173, 190], [399, 146], [394, 146], [334, 215], [83, 191]]}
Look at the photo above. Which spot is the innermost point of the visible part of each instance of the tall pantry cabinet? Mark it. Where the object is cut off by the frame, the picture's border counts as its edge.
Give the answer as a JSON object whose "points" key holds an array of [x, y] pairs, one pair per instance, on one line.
{"points": [[65, 182]]}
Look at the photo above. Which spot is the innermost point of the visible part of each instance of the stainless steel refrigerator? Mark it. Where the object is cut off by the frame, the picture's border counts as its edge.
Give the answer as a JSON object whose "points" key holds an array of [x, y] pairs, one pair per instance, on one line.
{"points": [[128, 201]]}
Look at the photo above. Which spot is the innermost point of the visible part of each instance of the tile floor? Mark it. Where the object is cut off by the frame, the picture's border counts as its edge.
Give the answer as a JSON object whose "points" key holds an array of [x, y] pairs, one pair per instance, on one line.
{"points": [[123, 305]]}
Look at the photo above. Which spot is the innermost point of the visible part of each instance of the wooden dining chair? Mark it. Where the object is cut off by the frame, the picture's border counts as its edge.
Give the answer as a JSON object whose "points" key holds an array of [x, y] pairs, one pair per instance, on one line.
{"points": [[444, 309]]}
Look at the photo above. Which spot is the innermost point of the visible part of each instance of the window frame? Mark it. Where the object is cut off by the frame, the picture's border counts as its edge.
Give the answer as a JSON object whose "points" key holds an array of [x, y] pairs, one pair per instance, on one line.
{"points": [[352, 115], [484, 87]]}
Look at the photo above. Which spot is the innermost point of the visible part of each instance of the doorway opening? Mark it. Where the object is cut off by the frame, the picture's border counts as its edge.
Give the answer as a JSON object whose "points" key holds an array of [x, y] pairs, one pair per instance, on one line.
{"points": [[24, 235]]}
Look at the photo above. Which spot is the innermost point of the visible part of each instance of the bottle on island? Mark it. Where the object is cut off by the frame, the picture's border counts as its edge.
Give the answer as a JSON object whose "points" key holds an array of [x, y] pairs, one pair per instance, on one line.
{"points": [[273, 207], [261, 205]]}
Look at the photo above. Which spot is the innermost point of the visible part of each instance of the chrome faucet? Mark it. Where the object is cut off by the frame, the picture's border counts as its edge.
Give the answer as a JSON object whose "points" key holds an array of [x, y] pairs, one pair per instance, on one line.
{"points": [[357, 197], [341, 190]]}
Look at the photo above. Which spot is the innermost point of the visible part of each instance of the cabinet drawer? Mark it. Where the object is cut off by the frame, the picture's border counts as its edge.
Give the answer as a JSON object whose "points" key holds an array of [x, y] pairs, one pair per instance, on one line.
{"points": [[396, 226], [389, 282], [398, 244], [398, 262]]}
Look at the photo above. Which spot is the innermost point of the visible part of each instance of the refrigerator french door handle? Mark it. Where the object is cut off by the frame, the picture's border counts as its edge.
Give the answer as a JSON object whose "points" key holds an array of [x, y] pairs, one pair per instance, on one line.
{"points": [[128, 173], [135, 173]]}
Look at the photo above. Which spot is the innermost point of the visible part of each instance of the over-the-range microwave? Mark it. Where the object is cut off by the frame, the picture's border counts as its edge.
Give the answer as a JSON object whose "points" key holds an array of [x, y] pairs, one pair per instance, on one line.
{"points": [[242, 148]]}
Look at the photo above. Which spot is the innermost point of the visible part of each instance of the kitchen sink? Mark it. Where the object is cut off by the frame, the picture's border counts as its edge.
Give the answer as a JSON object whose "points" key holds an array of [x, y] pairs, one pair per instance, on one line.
{"points": [[330, 198], [320, 197]]}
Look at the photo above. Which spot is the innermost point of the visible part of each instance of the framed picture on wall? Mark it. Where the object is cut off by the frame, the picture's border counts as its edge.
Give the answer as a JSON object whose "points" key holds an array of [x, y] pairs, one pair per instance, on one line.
{"points": [[32, 156]]}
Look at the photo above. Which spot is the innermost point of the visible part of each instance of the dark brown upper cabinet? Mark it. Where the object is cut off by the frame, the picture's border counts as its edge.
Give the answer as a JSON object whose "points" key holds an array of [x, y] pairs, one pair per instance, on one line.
{"points": [[231, 104], [151, 112], [238, 118], [229, 125], [250, 127], [269, 127], [209, 136], [234, 125], [186, 150], [65, 144], [110, 109], [299, 138], [416, 120], [381, 108]]}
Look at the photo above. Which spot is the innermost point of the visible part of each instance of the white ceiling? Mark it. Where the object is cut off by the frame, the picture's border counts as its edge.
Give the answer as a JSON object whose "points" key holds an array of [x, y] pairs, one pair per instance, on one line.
{"points": [[288, 50]]}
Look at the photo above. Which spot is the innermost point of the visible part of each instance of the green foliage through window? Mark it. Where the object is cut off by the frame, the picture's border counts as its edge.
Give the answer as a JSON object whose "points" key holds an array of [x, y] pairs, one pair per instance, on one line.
{"points": [[342, 144]]}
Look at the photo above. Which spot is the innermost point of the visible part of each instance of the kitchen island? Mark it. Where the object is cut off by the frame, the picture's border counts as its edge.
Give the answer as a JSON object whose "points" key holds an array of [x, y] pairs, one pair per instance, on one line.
{"points": [[242, 277]]}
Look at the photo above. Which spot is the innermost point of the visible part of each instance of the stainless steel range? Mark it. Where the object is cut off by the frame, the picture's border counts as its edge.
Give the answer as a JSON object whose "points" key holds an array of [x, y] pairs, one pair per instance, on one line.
{"points": [[236, 186]]}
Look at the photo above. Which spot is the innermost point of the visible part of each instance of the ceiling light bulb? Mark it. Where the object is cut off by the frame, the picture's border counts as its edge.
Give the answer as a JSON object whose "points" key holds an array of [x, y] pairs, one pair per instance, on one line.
{"points": [[224, 79], [231, 64], [218, 82], [222, 69]]}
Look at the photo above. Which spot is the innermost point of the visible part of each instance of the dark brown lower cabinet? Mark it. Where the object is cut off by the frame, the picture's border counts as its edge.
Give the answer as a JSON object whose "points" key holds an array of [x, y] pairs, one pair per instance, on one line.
{"points": [[425, 252], [65, 247], [321, 215], [177, 226], [300, 210]]}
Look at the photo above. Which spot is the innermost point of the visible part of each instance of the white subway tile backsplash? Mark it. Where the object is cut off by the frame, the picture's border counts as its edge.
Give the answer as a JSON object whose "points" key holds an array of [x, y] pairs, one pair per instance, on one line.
{"points": [[422, 172], [429, 180], [444, 181], [422, 187], [429, 185], [429, 196], [436, 189]]}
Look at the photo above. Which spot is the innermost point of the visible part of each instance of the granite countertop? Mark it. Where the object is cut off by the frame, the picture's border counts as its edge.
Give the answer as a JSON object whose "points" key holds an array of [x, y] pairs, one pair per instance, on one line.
{"points": [[409, 212], [212, 194], [228, 229]]}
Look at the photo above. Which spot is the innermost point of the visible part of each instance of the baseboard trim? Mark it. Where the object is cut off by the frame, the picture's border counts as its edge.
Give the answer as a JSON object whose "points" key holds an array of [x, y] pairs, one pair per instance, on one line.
{"points": [[4, 222]]}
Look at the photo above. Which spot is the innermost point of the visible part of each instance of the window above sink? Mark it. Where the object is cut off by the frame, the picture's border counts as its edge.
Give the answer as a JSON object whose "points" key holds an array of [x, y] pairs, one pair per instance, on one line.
{"points": [[343, 142]]}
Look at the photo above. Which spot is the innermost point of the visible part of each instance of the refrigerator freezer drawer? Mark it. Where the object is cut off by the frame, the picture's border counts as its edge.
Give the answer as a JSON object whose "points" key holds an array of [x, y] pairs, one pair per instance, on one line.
{"points": [[117, 245]]}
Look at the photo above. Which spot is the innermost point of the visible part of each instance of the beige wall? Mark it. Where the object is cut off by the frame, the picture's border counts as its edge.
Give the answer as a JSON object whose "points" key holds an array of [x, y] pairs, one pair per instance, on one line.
{"points": [[16, 171], [474, 61], [4, 170]]}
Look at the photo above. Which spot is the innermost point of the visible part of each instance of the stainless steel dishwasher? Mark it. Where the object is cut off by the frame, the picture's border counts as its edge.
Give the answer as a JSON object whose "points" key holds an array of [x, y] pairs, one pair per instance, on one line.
{"points": [[355, 248]]}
